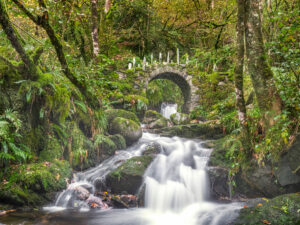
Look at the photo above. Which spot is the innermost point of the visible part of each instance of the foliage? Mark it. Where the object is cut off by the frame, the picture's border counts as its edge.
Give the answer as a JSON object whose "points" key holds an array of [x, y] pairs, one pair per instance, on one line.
{"points": [[11, 151]]}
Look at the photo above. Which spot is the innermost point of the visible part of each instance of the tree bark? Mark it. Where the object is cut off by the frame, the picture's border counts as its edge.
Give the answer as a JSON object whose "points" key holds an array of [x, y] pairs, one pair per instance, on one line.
{"points": [[30, 67], [261, 75], [43, 21], [107, 6], [94, 15], [238, 75]]}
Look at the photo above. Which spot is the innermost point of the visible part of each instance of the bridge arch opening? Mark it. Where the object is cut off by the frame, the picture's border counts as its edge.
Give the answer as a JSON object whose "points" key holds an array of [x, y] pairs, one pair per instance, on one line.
{"points": [[180, 80]]}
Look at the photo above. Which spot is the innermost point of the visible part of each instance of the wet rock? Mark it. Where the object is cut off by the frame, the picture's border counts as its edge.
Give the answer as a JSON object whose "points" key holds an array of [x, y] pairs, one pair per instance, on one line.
{"points": [[95, 202], [129, 129], [129, 176], [218, 177], [153, 149], [124, 201], [180, 118], [81, 193]]}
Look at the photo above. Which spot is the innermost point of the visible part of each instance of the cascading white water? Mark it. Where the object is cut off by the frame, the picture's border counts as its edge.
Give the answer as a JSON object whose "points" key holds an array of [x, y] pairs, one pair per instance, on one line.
{"points": [[176, 187], [168, 109]]}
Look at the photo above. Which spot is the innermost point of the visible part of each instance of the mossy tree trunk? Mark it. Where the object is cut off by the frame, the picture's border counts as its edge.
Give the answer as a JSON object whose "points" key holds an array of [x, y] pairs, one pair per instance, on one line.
{"points": [[94, 15], [261, 75], [31, 72], [238, 75], [43, 21]]}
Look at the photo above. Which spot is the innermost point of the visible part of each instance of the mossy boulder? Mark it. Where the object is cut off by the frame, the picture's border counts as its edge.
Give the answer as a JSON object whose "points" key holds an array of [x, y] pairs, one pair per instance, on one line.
{"points": [[119, 141], [105, 147], [34, 184], [283, 209], [129, 129], [158, 124], [111, 114], [151, 116], [205, 130], [129, 176], [180, 118]]}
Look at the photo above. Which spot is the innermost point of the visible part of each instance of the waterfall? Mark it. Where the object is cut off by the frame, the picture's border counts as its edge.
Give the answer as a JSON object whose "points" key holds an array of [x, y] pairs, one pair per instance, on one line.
{"points": [[177, 189], [168, 109]]}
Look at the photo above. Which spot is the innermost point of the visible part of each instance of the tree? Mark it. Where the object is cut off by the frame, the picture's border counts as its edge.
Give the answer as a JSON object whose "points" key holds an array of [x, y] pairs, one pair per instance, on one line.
{"points": [[43, 21], [261, 75], [94, 15], [30, 68], [238, 74]]}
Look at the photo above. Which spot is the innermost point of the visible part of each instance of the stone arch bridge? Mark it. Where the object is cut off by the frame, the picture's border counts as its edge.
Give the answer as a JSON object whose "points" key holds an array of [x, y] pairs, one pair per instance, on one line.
{"points": [[179, 76]]}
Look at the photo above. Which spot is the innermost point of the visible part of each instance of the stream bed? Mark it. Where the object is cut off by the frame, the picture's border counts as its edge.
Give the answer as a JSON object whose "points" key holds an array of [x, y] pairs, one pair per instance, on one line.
{"points": [[177, 191]]}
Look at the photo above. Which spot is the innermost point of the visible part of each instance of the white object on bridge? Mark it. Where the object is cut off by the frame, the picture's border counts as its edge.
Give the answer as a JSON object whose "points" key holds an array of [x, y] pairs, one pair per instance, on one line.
{"points": [[151, 58], [160, 57], [133, 62], [168, 57], [187, 60], [130, 66], [178, 56], [144, 63]]}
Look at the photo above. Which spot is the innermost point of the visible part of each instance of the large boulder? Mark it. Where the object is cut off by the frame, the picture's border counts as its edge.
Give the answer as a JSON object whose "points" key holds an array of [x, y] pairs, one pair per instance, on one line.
{"points": [[180, 118], [104, 147], [129, 176], [283, 209], [203, 130], [158, 124], [111, 114], [151, 116], [129, 129], [119, 141]]}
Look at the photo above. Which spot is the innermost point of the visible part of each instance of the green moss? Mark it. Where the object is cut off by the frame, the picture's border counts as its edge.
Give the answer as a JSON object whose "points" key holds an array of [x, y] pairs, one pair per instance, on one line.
{"points": [[31, 183], [135, 166], [52, 151], [283, 209], [105, 145], [119, 141], [152, 114], [111, 114]]}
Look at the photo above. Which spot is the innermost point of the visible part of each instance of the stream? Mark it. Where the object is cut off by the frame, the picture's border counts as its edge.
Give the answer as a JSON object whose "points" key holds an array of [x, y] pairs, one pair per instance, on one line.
{"points": [[177, 191]]}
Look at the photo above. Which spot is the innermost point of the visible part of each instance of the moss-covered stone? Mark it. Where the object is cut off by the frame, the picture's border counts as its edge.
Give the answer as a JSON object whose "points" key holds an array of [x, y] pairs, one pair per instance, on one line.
{"points": [[129, 129], [180, 118], [105, 147], [119, 141], [129, 176], [151, 116], [158, 124], [52, 151], [111, 114], [203, 130], [32, 184], [283, 209]]}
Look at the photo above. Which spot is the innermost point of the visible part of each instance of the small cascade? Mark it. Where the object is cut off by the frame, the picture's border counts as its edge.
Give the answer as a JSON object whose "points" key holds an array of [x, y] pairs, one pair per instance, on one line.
{"points": [[168, 109], [177, 189]]}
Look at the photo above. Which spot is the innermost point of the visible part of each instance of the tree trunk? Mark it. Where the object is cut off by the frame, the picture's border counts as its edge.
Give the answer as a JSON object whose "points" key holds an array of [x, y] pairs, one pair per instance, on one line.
{"points": [[43, 21], [261, 75], [107, 6], [30, 67], [94, 15], [238, 75]]}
